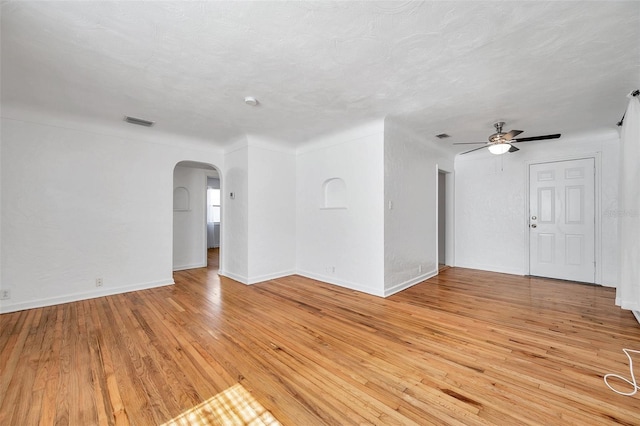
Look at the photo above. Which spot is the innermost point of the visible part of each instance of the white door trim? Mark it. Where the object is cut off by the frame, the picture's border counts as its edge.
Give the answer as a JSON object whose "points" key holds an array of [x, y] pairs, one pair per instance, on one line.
{"points": [[450, 239], [598, 207]]}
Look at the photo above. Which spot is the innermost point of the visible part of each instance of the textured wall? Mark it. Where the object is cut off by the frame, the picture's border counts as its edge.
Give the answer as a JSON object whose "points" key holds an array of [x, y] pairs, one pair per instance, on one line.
{"points": [[410, 223], [272, 213], [343, 246], [491, 196], [80, 205], [235, 216]]}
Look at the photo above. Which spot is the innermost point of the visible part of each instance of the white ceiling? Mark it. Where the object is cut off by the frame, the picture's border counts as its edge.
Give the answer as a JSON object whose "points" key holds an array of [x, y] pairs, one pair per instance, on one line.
{"points": [[321, 66]]}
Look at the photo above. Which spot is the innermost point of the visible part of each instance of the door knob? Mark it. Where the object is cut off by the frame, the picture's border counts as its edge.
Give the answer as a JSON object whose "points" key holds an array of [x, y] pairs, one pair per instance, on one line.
{"points": [[533, 217]]}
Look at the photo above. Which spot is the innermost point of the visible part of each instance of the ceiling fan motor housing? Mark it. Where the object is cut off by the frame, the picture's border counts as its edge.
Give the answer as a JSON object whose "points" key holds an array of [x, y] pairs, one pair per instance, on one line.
{"points": [[498, 136]]}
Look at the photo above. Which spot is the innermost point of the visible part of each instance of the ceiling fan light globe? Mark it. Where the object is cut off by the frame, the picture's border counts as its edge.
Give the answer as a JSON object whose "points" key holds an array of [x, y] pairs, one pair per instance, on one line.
{"points": [[499, 148]]}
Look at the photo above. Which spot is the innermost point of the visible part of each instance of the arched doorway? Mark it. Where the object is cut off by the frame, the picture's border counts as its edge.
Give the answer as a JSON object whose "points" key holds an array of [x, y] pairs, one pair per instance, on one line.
{"points": [[196, 216]]}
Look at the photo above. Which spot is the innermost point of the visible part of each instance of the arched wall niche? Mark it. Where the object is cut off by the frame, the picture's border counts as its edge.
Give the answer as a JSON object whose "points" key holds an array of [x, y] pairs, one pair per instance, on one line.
{"points": [[180, 199], [334, 194]]}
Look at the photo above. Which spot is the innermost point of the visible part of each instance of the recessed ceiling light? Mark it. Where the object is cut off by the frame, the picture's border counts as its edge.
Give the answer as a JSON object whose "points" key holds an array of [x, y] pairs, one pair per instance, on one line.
{"points": [[138, 121], [250, 100]]}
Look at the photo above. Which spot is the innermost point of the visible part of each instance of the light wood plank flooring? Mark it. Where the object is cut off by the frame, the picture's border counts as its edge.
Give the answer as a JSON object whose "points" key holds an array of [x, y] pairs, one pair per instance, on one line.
{"points": [[466, 348]]}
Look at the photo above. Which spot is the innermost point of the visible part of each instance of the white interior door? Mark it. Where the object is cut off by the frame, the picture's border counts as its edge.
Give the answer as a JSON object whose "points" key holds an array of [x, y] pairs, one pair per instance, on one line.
{"points": [[562, 220]]}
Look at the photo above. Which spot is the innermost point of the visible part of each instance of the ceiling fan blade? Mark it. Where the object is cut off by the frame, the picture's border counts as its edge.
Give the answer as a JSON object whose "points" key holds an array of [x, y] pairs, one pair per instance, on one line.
{"points": [[512, 134], [513, 149], [471, 150], [536, 138], [468, 143]]}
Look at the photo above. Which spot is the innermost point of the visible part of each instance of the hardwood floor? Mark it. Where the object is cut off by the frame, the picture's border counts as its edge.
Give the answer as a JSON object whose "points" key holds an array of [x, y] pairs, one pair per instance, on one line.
{"points": [[466, 347]]}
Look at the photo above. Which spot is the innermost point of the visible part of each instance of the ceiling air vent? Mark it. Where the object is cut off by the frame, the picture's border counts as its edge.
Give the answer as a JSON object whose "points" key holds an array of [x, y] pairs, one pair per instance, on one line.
{"points": [[138, 121], [442, 136]]}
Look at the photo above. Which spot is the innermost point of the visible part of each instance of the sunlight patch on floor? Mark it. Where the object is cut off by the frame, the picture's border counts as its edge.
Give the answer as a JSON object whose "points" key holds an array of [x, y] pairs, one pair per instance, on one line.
{"points": [[233, 406]]}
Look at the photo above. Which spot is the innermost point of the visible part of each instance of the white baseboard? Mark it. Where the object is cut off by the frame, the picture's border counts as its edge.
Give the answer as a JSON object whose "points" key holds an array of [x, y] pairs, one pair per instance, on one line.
{"points": [[341, 283], [637, 315], [240, 278], [492, 268], [409, 283], [192, 266], [74, 297], [257, 279], [267, 277]]}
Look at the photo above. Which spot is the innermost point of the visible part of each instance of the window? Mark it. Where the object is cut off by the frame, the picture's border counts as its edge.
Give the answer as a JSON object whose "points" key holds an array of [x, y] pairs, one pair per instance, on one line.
{"points": [[213, 205]]}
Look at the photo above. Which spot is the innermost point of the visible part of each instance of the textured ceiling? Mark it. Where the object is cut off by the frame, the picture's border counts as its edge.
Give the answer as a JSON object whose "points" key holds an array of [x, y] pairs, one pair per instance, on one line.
{"points": [[318, 67]]}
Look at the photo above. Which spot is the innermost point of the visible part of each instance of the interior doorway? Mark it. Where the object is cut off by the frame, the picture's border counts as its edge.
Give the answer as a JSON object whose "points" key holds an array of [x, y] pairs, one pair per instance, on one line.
{"points": [[445, 219], [442, 218], [191, 214]]}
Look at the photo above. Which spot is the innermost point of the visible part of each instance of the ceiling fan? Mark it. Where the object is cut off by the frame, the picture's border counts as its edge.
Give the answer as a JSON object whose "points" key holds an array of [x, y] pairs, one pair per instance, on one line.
{"points": [[500, 143]]}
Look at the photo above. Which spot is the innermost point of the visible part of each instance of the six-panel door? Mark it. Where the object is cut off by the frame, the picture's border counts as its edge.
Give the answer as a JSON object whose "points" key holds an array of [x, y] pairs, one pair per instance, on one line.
{"points": [[562, 220]]}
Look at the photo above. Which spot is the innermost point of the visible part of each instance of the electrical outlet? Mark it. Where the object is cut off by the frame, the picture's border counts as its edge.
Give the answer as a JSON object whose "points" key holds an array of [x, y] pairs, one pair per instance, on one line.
{"points": [[98, 282], [419, 269], [5, 294]]}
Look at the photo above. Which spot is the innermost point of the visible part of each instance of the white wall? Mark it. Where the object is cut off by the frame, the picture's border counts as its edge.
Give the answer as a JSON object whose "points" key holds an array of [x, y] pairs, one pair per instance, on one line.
{"points": [[343, 246], [235, 215], [272, 213], [81, 203], [491, 221], [411, 166], [189, 238], [259, 222], [2, 302]]}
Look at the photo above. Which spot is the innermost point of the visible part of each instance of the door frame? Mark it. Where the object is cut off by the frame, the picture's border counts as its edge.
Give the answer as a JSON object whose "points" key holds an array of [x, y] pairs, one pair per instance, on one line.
{"points": [[204, 225], [449, 236], [597, 189]]}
